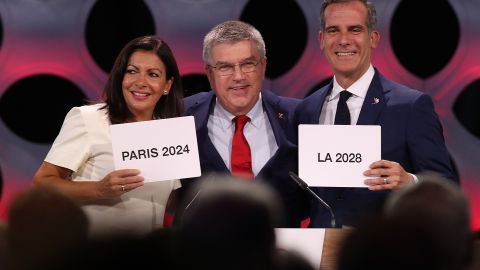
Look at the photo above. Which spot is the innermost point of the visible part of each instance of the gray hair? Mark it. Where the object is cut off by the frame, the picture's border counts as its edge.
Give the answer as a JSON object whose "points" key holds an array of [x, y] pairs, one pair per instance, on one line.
{"points": [[371, 19], [231, 32]]}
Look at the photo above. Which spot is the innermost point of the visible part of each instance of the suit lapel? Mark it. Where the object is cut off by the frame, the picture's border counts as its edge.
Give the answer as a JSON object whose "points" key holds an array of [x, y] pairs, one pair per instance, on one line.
{"points": [[319, 102], [374, 102], [208, 152], [278, 118]]}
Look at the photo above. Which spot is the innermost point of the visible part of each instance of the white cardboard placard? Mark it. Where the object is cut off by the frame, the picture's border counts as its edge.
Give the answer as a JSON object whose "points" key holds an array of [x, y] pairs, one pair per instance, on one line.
{"points": [[337, 155], [163, 149]]}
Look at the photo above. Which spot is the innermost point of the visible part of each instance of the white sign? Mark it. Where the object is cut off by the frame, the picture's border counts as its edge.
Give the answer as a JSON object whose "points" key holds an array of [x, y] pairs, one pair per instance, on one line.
{"points": [[337, 155], [307, 242], [162, 149]]}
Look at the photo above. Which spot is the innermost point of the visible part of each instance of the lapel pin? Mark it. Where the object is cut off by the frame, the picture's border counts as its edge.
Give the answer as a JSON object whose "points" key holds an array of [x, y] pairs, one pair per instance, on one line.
{"points": [[376, 100], [280, 115]]}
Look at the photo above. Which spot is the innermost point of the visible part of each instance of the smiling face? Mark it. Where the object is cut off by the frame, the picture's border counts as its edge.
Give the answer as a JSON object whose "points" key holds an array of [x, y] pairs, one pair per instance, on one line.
{"points": [[238, 92], [346, 41], [144, 83]]}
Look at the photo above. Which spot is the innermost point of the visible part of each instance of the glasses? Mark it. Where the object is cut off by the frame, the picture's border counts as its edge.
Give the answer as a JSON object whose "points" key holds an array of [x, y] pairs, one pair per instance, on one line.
{"points": [[229, 69]]}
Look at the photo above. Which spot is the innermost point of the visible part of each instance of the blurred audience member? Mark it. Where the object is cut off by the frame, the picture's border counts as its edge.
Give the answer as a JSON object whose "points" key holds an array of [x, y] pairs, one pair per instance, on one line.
{"points": [[291, 260], [117, 252], [229, 225], [426, 226], [43, 224], [440, 208], [382, 244]]}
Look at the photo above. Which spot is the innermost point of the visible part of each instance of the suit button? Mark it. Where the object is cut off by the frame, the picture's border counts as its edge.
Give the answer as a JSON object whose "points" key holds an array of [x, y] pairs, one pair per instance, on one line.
{"points": [[340, 194]]}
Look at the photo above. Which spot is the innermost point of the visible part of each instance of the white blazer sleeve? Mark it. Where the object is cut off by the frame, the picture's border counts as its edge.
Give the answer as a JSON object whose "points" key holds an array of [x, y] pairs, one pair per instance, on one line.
{"points": [[71, 147]]}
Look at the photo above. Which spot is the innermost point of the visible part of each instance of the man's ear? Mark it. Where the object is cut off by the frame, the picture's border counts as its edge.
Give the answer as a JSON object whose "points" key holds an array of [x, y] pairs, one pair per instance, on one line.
{"points": [[320, 40], [374, 39]]}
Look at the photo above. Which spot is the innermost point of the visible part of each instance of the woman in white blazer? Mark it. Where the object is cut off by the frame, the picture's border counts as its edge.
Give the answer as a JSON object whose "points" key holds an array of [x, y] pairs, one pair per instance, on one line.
{"points": [[144, 84]]}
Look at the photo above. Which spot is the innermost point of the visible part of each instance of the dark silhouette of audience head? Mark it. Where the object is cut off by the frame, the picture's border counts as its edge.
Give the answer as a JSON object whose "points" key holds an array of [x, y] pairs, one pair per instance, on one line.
{"points": [[441, 209], [425, 226], [291, 260], [43, 224], [229, 225], [117, 253]]}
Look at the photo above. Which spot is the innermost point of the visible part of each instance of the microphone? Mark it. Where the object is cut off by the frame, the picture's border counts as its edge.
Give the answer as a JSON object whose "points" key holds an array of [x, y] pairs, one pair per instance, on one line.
{"points": [[305, 187], [191, 201], [206, 182]]}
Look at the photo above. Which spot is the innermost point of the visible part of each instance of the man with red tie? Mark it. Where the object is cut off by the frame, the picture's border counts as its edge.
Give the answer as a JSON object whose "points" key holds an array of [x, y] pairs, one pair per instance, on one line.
{"points": [[242, 129]]}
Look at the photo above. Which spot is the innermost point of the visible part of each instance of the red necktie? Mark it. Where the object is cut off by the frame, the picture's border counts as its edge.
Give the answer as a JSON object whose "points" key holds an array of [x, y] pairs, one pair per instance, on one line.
{"points": [[241, 156]]}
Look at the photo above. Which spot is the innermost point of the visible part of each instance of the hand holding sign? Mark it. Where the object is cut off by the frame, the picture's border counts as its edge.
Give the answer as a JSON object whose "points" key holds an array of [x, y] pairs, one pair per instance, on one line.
{"points": [[118, 182], [393, 176]]}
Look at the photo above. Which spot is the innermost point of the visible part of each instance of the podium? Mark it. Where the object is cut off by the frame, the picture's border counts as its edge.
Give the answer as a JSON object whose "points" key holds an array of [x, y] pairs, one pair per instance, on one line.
{"points": [[319, 246], [331, 247]]}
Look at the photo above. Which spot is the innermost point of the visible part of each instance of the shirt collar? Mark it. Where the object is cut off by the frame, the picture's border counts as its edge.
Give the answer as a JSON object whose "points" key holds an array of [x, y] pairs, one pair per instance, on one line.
{"points": [[358, 88], [226, 118]]}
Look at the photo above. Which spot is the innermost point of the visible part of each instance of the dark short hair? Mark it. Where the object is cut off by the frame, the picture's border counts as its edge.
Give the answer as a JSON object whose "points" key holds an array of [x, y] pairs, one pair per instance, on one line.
{"points": [[437, 209], [44, 224], [170, 105], [371, 19]]}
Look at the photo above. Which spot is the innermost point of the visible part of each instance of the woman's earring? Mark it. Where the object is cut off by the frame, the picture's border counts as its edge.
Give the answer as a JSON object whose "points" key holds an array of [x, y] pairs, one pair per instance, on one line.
{"points": [[165, 92]]}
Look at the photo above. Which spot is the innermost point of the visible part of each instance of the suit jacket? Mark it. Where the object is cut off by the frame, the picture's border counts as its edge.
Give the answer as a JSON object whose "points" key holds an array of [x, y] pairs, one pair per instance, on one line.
{"points": [[275, 172], [411, 135]]}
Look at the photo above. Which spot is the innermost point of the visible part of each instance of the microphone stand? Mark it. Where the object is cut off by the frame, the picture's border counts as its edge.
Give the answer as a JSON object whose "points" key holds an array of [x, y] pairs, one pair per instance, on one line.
{"points": [[305, 187]]}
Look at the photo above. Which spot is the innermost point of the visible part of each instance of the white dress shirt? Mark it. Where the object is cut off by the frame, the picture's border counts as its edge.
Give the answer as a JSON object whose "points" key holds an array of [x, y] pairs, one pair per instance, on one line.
{"points": [[359, 91], [257, 131]]}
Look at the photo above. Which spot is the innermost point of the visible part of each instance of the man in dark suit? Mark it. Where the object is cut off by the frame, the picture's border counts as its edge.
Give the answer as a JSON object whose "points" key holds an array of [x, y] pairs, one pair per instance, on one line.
{"points": [[234, 56], [412, 139]]}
